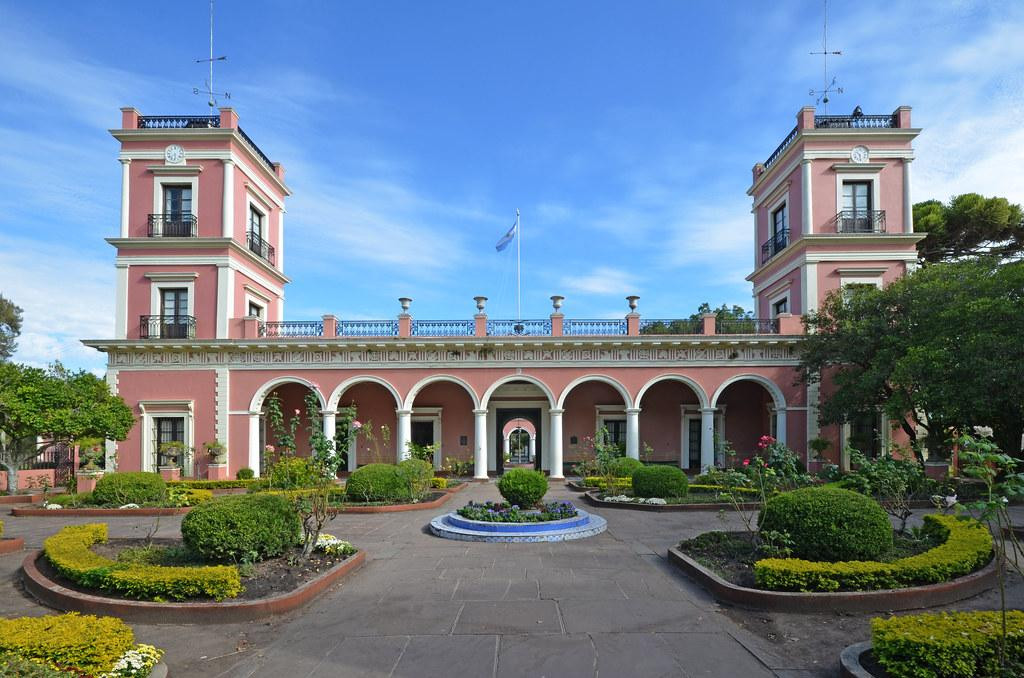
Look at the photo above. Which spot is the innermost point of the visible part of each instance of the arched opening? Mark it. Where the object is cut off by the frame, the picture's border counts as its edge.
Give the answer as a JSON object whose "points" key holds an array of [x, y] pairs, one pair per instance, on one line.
{"points": [[593, 404], [750, 408], [670, 422], [520, 443], [518, 402], [375, 402], [287, 408], [442, 425]]}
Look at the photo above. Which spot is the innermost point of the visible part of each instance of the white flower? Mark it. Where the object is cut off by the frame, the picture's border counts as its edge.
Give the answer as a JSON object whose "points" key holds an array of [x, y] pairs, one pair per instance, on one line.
{"points": [[52, 507], [130, 506], [950, 501], [331, 545], [656, 501], [983, 431]]}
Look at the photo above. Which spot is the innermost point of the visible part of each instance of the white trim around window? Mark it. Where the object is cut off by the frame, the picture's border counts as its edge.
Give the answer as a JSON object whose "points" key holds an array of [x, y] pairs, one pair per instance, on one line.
{"points": [[186, 281], [433, 415], [153, 409], [869, 177], [772, 301], [158, 191]]}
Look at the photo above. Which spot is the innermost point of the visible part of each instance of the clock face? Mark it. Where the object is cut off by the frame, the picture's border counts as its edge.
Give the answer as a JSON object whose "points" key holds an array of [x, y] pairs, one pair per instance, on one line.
{"points": [[174, 154], [859, 154]]}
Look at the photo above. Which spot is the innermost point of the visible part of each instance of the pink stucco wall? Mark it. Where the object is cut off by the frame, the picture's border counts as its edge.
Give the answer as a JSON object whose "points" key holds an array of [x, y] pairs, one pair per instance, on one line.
{"points": [[456, 417], [746, 416], [375, 408], [205, 296], [661, 419]]}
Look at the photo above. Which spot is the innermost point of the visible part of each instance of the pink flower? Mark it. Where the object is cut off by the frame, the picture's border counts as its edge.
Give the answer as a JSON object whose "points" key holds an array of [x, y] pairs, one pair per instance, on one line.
{"points": [[357, 424], [296, 411], [746, 462], [268, 448]]}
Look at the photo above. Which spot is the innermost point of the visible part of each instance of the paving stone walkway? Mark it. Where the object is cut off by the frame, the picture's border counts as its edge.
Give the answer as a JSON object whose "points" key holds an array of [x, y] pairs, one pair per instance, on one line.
{"points": [[422, 606]]}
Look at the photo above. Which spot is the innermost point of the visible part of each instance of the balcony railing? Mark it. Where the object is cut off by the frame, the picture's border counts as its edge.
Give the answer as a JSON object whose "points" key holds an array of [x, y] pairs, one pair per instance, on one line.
{"points": [[746, 326], [256, 149], [178, 121], [368, 328], [860, 221], [856, 121], [292, 328], [774, 245], [167, 327], [173, 225], [259, 246], [679, 326], [594, 328], [777, 153], [518, 328], [443, 328]]}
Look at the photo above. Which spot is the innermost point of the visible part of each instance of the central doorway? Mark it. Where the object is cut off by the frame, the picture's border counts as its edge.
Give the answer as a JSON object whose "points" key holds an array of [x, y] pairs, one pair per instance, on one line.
{"points": [[506, 414]]}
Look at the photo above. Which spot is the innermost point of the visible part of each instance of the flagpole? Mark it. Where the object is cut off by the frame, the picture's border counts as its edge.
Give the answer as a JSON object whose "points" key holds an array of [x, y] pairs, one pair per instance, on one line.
{"points": [[519, 240]]}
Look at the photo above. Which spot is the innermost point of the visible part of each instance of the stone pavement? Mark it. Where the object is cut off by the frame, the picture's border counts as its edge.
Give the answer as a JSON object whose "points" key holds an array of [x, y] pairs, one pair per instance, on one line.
{"points": [[423, 606]]}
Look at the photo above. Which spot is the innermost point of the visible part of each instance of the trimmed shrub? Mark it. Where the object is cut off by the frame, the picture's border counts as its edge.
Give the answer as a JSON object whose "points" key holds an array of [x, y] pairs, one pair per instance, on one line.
{"points": [[439, 483], [660, 481], [523, 487], [68, 551], [245, 473], [187, 496], [131, 487], [829, 524], [210, 484], [241, 528], [88, 643], [378, 482], [952, 645], [289, 473], [967, 546], [601, 483], [417, 474], [623, 467]]}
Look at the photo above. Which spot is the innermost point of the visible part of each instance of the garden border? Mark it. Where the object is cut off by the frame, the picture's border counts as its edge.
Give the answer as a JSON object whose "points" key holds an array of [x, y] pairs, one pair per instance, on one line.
{"points": [[849, 661], [52, 594], [392, 508], [665, 508], [102, 512], [881, 600], [11, 545], [20, 498]]}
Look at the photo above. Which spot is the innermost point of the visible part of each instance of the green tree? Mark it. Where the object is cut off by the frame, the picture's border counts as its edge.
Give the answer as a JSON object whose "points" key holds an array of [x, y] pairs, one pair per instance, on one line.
{"points": [[686, 325], [969, 225], [10, 327], [938, 349], [55, 406]]}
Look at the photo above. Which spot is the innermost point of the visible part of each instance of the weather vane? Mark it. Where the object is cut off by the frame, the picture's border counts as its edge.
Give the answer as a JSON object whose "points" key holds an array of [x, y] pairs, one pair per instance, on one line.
{"points": [[829, 86], [209, 91]]}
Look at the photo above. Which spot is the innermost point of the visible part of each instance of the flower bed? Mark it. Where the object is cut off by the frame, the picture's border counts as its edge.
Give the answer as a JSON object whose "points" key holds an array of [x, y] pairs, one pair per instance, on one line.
{"points": [[213, 484], [74, 645], [500, 512], [177, 500]]}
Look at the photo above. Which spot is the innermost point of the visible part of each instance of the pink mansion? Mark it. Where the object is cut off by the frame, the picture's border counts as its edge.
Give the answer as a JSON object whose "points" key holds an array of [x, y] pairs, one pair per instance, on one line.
{"points": [[201, 338]]}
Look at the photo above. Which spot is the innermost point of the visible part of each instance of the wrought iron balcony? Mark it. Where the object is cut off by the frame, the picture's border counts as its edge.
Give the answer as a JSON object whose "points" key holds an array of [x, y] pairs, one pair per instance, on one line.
{"points": [[173, 225], [594, 328], [292, 328], [746, 326], [167, 327], [774, 245], [860, 221], [443, 328], [260, 247], [178, 121], [367, 328], [678, 326], [860, 121], [518, 328]]}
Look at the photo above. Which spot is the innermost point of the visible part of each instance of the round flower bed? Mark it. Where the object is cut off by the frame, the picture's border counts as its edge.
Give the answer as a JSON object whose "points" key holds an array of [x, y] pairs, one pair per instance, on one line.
{"points": [[492, 512]]}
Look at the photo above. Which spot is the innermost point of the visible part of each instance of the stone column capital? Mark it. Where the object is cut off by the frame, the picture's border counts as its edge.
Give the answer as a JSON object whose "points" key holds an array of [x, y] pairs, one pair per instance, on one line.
{"points": [[556, 412]]}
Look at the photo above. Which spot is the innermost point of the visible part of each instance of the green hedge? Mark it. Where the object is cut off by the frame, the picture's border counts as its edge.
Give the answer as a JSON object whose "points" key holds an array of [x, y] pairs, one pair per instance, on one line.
{"points": [[966, 546], [84, 642], [829, 524], [132, 487], [623, 467], [378, 482], [665, 482], [245, 473], [68, 551], [211, 484], [523, 487], [418, 474], [244, 527], [946, 645]]}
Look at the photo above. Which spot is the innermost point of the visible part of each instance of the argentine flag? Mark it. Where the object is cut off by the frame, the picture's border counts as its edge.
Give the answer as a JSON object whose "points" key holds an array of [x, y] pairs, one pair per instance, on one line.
{"points": [[506, 239]]}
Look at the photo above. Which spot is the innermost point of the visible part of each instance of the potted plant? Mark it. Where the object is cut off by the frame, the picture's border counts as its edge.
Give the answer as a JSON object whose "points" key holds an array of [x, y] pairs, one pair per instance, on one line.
{"points": [[92, 458], [169, 458], [216, 469], [819, 445]]}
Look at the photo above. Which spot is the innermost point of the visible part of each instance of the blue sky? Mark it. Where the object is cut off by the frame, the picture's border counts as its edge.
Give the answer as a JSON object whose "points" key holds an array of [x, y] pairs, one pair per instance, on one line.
{"points": [[624, 131]]}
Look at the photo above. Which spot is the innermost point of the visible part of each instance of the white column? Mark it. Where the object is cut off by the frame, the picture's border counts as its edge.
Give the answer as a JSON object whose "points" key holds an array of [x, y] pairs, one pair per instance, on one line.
{"points": [[125, 190], [225, 299], [555, 458], [506, 446], [404, 433], [533, 447], [780, 425], [254, 442], [908, 204], [707, 438], [330, 422], [121, 303], [480, 444], [633, 432], [227, 214], [807, 213]]}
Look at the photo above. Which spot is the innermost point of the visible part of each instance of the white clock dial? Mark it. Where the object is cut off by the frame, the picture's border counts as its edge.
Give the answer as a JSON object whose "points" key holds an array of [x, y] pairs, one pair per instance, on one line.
{"points": [[174, 154], [859, 154]]}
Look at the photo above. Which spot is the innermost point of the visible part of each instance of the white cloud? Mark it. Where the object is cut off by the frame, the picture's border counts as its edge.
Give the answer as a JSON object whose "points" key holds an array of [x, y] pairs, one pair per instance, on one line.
{"points": [[602, 280]]}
